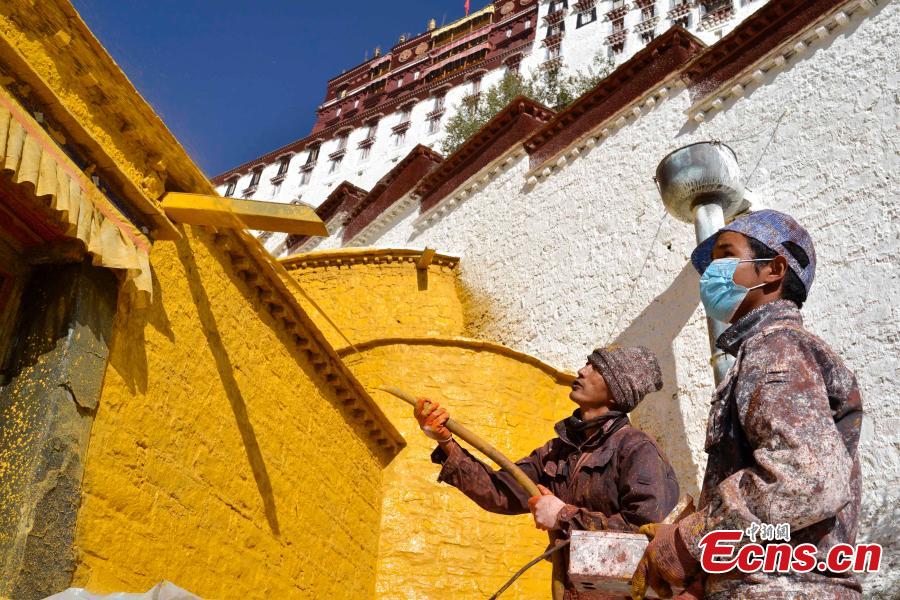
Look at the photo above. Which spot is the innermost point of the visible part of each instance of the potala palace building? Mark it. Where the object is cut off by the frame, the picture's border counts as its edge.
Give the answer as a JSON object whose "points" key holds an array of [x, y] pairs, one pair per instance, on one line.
{"points": [[178, 403], [374, 113], [561, 238]]}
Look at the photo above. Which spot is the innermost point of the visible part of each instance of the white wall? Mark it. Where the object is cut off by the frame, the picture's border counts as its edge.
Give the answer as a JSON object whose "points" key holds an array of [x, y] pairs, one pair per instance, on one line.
{"points": [[576, 260]]}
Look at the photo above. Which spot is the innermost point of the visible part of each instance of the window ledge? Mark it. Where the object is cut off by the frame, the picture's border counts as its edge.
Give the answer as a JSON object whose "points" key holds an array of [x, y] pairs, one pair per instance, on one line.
{"points": [[402, 127]]}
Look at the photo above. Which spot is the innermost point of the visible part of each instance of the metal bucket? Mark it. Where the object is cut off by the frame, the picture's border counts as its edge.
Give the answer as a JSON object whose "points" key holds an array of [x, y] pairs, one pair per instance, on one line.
{"points": [[700, 173], [601, 563]]}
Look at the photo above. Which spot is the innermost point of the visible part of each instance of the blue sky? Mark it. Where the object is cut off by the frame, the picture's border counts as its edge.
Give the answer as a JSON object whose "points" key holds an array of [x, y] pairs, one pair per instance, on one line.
{"points": [[234, 79]]}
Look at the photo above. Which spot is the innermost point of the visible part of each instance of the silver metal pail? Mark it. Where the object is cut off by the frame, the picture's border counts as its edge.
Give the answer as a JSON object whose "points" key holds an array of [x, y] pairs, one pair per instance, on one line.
{"points": [[700, 173]]}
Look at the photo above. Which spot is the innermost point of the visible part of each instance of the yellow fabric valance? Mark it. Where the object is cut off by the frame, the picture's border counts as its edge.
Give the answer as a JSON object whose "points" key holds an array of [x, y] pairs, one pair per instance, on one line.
{"points": [[32, 156], [489, 9]]}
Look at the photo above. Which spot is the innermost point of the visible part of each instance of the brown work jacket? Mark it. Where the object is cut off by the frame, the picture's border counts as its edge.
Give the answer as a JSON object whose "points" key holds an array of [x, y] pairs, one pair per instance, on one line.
{"points": [[617, 479], [782, 448]]}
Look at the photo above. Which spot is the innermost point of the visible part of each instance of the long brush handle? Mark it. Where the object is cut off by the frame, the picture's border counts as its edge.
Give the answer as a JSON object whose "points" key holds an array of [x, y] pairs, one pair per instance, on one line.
{"points": [[478, 443]]}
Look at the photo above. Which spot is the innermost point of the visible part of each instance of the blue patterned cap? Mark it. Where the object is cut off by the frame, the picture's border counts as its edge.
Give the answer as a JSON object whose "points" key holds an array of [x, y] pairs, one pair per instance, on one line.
{"points": [[776, 230]]}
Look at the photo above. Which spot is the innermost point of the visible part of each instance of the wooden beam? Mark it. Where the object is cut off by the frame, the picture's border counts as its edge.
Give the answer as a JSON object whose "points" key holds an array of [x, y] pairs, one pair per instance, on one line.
{"points": [[426, 258], [231, 213]]}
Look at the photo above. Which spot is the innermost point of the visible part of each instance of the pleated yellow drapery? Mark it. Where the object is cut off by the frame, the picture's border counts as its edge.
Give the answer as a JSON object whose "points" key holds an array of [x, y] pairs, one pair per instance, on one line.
{"points": [[33, 157]]}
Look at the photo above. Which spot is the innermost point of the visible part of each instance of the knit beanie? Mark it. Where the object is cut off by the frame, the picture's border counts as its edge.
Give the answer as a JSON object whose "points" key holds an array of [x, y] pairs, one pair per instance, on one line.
{"points": [[630, 374]]}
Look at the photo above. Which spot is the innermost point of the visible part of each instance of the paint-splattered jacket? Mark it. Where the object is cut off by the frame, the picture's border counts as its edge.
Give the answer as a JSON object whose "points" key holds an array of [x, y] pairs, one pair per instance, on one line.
{"points": [[617, 479], [782, 448]]}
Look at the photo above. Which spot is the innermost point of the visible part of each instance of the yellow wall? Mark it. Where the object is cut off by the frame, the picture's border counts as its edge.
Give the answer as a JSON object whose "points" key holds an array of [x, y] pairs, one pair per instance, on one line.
{"points": [[218, 459], [377, 294], [435, 542]]}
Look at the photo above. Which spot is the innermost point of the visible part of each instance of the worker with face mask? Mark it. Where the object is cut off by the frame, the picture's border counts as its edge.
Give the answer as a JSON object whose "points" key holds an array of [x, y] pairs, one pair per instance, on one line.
{"points": [[599, 473], [783, 428]]}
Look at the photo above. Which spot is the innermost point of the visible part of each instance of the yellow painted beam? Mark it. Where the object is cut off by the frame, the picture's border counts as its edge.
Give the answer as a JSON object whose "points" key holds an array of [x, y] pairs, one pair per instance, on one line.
{"points": [[426, 258], [215, 211]]}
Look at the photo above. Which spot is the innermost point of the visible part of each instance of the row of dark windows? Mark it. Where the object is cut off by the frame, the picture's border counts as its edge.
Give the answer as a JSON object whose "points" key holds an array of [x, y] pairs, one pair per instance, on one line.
{"points": [[648, 11], [283, 164], [399, 137], [589, 16]]}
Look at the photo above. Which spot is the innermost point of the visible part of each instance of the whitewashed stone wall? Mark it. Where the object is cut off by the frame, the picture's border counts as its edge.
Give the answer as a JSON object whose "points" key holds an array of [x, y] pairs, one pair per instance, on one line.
{"points": [[576, 260]]}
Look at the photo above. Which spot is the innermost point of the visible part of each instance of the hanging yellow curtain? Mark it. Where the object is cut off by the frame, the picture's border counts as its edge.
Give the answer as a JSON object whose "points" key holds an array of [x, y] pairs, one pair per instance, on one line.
{"points": [[32, 156]]}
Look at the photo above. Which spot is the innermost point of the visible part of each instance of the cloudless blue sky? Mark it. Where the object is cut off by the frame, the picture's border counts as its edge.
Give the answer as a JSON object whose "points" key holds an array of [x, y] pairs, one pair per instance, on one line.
{"points": [[234, 79]]}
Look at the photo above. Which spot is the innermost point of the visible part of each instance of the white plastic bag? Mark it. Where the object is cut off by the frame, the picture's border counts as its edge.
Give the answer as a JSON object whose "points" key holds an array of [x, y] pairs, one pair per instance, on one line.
{"points": [[161, 591]]}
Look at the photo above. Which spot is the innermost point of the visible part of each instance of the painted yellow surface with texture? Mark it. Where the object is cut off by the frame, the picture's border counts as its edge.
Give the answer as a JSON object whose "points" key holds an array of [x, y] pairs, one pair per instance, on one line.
{"points": [[218, 459], [387, 298], [435, 542]]}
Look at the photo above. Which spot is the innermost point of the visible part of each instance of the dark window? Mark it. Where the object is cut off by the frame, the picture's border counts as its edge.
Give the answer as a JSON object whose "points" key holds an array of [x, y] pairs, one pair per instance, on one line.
{"points": [[556, 5], [684, 21], [229, 189], [618, 25], [283, 165], [648, 11], [257, 173], [618, 48], [588, 16], [714, 5], [313, 155], [556, 28], [648, 36]]}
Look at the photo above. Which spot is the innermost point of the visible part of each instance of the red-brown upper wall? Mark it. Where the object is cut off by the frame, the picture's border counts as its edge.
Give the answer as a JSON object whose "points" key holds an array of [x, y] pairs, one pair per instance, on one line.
{"points": [[642, 73], [510, 126], [390, 188], [759, 34], [339, 204]]}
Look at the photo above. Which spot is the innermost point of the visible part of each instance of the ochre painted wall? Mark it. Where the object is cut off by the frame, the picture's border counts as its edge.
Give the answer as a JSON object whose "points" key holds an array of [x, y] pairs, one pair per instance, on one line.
{"points": [[371, 296], [218, 460], [435, 542]]}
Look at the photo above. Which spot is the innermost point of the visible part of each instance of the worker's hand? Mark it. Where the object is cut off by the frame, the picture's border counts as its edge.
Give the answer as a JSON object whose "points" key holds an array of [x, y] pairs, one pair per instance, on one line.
{"points": [[545, 509], [666, 562], [431, 418]]}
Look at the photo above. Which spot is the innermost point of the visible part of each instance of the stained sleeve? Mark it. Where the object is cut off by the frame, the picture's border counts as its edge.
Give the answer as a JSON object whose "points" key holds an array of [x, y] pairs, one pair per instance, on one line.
{"points": [[493, 490]]}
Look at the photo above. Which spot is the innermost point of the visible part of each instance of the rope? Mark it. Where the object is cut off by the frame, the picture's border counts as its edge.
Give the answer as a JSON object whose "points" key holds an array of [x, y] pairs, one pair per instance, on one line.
{"points": [[637, 278], [528, 566], [766, 149]]}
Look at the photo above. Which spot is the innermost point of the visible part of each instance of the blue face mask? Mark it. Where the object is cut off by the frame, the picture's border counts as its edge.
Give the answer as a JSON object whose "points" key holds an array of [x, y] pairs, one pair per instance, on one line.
{"points": [[721, 296]]}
